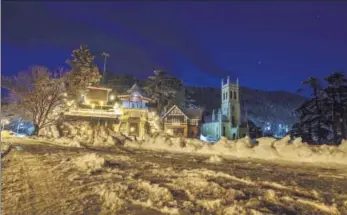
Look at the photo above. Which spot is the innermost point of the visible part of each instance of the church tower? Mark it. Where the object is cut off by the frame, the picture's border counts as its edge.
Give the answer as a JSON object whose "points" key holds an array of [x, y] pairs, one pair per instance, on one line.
{"points": [[230, 98]]}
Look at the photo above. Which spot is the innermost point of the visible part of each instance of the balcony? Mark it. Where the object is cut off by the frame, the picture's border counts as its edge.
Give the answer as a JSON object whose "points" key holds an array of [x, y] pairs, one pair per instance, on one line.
{"points": [[93, 113], [176, 122]]}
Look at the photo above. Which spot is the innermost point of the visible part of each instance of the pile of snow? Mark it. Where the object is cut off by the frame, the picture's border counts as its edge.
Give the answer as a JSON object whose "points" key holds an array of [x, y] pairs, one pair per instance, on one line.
{"points": [[215, 159], [89, 163], [5, 147], [113, 197], [80, 131], [267, 148], [66, 142]]}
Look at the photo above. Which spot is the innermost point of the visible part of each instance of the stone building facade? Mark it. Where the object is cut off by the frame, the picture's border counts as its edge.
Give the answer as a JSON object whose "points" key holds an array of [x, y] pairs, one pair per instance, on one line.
{"points": [[226, 121]]}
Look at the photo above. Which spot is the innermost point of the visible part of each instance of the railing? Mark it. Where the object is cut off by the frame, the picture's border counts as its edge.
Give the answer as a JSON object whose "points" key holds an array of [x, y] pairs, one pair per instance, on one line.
{"points": [[135, 112], [93, 113], [175, 122]]}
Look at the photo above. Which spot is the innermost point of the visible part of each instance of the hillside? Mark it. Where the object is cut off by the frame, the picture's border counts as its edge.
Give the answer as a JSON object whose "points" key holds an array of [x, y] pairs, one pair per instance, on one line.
{"points": [[269, 109]]}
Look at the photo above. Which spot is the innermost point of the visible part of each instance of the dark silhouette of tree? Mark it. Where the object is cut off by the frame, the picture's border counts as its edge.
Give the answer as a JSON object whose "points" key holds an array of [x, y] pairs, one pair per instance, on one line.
{"points": [[163, 89], [323, 117], [316, 115], [336, 92]]}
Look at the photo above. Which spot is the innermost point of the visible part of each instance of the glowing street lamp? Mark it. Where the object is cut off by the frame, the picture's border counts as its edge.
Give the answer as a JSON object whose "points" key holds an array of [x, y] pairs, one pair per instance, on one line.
{"points": [[112, 97]]}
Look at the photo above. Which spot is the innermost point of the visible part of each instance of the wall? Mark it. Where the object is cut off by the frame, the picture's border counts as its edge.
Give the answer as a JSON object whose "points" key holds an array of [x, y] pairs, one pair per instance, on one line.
{"points": [[211, 129], [193, 131]]}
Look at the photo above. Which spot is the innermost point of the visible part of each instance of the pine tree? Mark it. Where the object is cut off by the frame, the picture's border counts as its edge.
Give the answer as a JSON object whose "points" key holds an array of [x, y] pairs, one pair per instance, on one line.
{"points": [[83, 71], [323, 117], [337, 94], [316, 119], [163, 89]]}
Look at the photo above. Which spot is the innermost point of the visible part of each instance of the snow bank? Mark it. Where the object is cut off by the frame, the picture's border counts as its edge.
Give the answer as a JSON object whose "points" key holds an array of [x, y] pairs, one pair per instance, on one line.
{"points": [[89, 163], [267, 149], [216, 159], [66, 142]]}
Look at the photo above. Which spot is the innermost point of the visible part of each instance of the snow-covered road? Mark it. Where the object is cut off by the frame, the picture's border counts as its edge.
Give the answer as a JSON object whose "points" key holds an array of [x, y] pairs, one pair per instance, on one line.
{"points": [[48, 179]]}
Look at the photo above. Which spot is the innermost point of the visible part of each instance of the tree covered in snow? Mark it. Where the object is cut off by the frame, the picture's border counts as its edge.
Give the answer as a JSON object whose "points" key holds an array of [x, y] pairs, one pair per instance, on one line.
{"points": [[41, 96], [323, 117], [83, 71], [163, 89], [37, 95]]}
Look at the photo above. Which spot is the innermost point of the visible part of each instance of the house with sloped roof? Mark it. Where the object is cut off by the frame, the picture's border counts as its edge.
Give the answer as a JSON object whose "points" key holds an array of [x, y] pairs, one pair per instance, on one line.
{"points": [[183, 122], [135, 98]]}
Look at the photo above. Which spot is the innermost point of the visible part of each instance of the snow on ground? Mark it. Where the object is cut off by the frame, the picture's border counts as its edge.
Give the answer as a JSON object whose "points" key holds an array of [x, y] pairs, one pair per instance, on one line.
{"points": [[90, 163], [43, 179], [267, 149]]}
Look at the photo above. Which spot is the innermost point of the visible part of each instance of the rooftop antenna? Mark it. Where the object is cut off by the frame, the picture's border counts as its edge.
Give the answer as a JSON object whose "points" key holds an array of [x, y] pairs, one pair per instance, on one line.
{"points": [[105, 55]]}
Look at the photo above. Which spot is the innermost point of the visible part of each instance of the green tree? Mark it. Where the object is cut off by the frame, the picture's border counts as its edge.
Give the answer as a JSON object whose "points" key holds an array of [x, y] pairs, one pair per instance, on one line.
{"points": [[83, 71]]}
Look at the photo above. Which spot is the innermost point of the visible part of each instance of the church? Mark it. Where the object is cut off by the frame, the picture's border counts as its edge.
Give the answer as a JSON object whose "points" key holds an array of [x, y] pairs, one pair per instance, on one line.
{"points": [[226, 121]]}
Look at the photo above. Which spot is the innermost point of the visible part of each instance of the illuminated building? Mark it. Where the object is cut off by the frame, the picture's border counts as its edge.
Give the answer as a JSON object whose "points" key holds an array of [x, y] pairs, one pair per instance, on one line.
{"points": [[182, 122], [226, 121]]}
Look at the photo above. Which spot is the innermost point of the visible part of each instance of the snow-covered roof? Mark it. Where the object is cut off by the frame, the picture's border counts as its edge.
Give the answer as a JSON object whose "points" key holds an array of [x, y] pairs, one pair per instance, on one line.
{"points": [[99, 88], [135, 89], [193, 113], [190, 113]]}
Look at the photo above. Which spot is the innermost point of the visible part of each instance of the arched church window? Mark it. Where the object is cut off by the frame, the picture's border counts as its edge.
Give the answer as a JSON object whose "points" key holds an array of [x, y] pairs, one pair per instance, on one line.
{"points": [[231, 94], [235, 96]]}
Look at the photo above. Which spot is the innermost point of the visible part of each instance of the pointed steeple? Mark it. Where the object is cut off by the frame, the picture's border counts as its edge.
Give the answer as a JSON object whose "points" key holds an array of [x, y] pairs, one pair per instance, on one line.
{"points": [[135, 88], [219, 115]]}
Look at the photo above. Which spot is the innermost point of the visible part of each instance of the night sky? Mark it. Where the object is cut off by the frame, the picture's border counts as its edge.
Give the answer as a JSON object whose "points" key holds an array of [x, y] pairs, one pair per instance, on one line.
{"points": [[269, 46]]}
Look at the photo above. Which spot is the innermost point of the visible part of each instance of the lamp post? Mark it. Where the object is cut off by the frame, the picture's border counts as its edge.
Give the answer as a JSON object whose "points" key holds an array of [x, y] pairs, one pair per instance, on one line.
{"points": [[105, 55], [112, 97]]}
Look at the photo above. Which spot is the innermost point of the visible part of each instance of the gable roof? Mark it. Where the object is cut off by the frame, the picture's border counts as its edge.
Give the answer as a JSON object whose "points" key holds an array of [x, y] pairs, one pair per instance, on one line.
{"points": [[193, 113], [173, 107], [190, 113], [135, 89]]}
